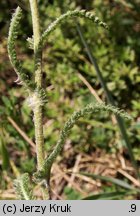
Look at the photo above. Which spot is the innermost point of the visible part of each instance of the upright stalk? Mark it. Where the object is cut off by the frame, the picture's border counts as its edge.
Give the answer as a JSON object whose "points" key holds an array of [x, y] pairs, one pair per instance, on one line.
{"points": [[38, 121]]}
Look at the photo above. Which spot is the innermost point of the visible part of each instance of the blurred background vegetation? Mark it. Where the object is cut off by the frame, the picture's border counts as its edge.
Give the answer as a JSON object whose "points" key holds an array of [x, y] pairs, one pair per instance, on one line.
{"points": [[95, 145]]}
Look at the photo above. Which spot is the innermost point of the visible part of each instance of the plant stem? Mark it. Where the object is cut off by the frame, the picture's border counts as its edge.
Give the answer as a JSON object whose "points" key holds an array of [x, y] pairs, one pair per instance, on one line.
{"points": [[38, 121], [36, 32], [35, 20], [39, 136]]}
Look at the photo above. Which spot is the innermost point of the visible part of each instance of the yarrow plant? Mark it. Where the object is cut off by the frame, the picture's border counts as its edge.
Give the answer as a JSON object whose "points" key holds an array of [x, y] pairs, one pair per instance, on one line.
{"points": [[37, 96]]}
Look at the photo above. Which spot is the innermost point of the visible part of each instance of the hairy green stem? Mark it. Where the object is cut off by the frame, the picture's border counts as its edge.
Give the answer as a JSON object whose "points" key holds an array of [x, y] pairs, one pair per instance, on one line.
{"points": [[35, 20], [39, 135], [36, 32], [38, 121]]}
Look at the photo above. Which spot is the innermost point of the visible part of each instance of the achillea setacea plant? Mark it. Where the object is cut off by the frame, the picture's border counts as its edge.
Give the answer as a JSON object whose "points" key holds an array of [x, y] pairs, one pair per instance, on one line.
{"points": [[37, 96]]}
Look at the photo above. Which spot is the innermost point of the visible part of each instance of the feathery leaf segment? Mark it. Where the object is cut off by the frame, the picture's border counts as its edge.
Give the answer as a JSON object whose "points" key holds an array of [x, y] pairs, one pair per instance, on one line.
{"points": [[23, 187], [70, 14], [89, 109], [13, 33]]}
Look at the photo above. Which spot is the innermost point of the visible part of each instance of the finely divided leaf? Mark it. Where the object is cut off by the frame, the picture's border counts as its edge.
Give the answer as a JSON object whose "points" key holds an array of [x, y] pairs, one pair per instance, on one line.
{"points": [[23, 187]]}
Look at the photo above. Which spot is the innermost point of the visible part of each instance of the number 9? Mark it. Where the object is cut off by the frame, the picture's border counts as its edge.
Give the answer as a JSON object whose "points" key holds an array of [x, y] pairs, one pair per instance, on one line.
{"points": [[133, 208]]}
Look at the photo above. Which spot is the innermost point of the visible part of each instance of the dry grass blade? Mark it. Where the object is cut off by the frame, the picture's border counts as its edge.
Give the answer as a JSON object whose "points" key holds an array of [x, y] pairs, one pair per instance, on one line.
{"points": [[131, 178], [22, 133], [66, 177], [93, 92]]}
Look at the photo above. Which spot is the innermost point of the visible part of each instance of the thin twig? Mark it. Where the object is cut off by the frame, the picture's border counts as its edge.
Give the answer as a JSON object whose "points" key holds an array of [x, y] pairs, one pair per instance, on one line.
{"points": [[66, 177], [131, 178], [22, 133], [74, 170], [93, 92]]}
